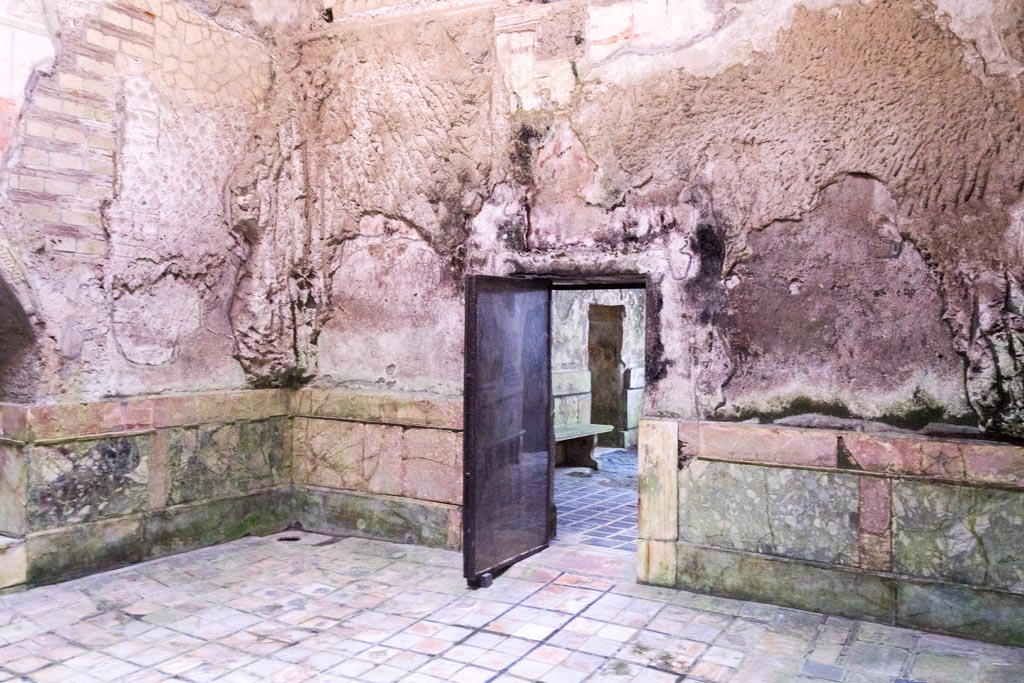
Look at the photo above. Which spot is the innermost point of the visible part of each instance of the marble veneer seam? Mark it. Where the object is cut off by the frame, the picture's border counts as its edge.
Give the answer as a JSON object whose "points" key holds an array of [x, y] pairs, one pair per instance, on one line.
{"points": [[145, 514], [899, 578], [55, 441], [898, 476], [368, 494], [409, 425]]}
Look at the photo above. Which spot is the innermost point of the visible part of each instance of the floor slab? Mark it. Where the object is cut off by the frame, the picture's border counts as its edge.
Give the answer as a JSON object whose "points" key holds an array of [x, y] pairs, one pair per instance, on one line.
{"points": [[327, 609], [599, 507]]}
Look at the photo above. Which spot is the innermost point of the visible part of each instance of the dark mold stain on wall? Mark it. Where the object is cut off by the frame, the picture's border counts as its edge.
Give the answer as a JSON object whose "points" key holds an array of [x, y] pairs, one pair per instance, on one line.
{"points": [[826, 248]]}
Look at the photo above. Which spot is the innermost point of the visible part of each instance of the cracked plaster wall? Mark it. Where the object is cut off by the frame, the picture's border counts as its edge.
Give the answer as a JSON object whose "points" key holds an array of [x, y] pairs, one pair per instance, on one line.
{"points": [[111, 195], [320, 228], [727, 149]]}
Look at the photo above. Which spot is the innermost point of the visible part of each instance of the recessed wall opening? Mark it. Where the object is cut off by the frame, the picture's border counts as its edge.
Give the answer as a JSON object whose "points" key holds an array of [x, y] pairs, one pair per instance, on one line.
{"points": [[597, 365], [16, 349], [534, 468]]}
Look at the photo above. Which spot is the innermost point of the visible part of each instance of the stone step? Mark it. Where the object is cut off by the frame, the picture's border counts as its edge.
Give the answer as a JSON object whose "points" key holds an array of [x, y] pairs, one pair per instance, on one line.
{"points": [[13, 562]]}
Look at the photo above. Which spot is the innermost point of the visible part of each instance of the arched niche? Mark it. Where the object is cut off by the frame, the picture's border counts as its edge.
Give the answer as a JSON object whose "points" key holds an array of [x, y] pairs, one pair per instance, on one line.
{"points": [[17, 342]]}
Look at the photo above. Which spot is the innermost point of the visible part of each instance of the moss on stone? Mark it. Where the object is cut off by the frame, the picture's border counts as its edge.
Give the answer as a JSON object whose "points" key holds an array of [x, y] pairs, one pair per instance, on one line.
{"points": [[386, 518], [196, 526], [914, 414]]}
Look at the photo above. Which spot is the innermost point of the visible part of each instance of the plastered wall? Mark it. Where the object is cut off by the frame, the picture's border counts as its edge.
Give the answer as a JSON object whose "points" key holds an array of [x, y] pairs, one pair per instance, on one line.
{"points": [[823, 193]]}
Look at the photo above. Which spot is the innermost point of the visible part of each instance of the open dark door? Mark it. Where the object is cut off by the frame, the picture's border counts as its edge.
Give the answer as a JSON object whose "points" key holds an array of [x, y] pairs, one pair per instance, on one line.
{"points": [[509, 437]]}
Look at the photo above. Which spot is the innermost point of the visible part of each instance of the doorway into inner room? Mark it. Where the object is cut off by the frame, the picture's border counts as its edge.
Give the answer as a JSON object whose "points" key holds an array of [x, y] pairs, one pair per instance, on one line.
{"points": [[530, 440], [597, 366]]}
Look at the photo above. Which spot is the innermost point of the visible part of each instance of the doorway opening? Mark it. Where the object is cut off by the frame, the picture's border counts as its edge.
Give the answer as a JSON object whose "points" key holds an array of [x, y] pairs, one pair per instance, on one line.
{"points": [[597, 365], [528, 405]]}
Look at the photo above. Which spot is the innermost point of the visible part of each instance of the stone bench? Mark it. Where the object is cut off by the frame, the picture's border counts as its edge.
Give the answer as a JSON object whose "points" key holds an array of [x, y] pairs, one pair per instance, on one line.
{"points": [[574, 444]]}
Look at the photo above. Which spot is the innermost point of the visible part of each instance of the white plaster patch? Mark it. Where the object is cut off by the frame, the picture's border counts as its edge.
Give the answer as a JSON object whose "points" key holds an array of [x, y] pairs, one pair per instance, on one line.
{"points": [[630, 40], [984, 25], [268, 12], [646, 25], [532, 83]]}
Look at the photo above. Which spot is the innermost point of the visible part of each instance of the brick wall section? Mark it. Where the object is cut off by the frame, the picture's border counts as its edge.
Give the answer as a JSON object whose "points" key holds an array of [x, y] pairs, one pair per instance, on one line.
{"points": [[65, 170], [8, 120]]}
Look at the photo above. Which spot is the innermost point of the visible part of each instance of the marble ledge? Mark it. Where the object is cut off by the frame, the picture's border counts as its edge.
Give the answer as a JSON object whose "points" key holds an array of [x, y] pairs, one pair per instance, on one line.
{"points": [[403, 408], [59, 422], [963, 461]]}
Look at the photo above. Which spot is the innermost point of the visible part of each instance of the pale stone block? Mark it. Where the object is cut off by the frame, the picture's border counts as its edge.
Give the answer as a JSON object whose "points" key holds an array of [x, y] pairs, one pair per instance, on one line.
{"points": [[759, 443], [105, 142], [13, 481], [136, 50], [143, 27], [570, 382], [28, 183], [658, 470], [329, 453], [656, 562], [59, 186], [33, 156], [432, 465], [100, 39], [382, 461], [13, 563], [958, 460], [68, 134], [116, 18]]}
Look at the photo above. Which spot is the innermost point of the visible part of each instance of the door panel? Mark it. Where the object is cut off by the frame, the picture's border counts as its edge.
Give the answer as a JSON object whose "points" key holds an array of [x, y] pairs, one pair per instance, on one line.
{"points": [[508, 438]]}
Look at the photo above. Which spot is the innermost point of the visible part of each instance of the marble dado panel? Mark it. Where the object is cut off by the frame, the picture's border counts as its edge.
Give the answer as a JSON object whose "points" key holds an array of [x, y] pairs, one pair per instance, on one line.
{"points": [[13, 475], [65, 421], [94, 486], [800, 514], [757, 444], [222, 460], [12, 422], [351, 513], [915, 531], [87, 481], [960, 534], [425, 464]]}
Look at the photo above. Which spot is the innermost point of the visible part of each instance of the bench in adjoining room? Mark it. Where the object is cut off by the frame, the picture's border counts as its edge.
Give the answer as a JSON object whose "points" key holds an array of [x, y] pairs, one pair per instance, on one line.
{"points": [[574, 444]]}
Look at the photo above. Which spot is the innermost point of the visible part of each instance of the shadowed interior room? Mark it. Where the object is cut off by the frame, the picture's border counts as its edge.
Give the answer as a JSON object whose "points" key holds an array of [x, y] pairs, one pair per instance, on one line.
{"points": [[511, 340]]}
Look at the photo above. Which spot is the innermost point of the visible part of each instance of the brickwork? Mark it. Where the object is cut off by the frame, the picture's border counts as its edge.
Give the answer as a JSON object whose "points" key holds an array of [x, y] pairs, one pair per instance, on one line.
{"points": [[114, 181], [64, 169]]}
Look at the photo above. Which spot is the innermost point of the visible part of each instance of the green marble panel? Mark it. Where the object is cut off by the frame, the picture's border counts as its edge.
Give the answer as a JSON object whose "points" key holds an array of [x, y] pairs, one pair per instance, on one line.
{"points": [[86, 481], [788, 583], [198, 525], [793, 513], [963, 611], [224, 460], [82, 549], [387, 518], [961, 534]]}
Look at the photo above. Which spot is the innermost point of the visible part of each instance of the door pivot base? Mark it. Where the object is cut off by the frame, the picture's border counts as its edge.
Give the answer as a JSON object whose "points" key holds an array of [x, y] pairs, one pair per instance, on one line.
{"points": [[483, 581]]}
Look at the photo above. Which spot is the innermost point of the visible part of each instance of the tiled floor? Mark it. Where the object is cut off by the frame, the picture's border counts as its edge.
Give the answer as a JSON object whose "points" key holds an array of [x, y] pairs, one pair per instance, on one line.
{"points": [[599, 508], [318, 609]]}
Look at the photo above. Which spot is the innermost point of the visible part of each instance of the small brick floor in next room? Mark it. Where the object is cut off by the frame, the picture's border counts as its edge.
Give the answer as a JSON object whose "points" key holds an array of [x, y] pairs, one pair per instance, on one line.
{"points": [[324, 610], [599, 508]]}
